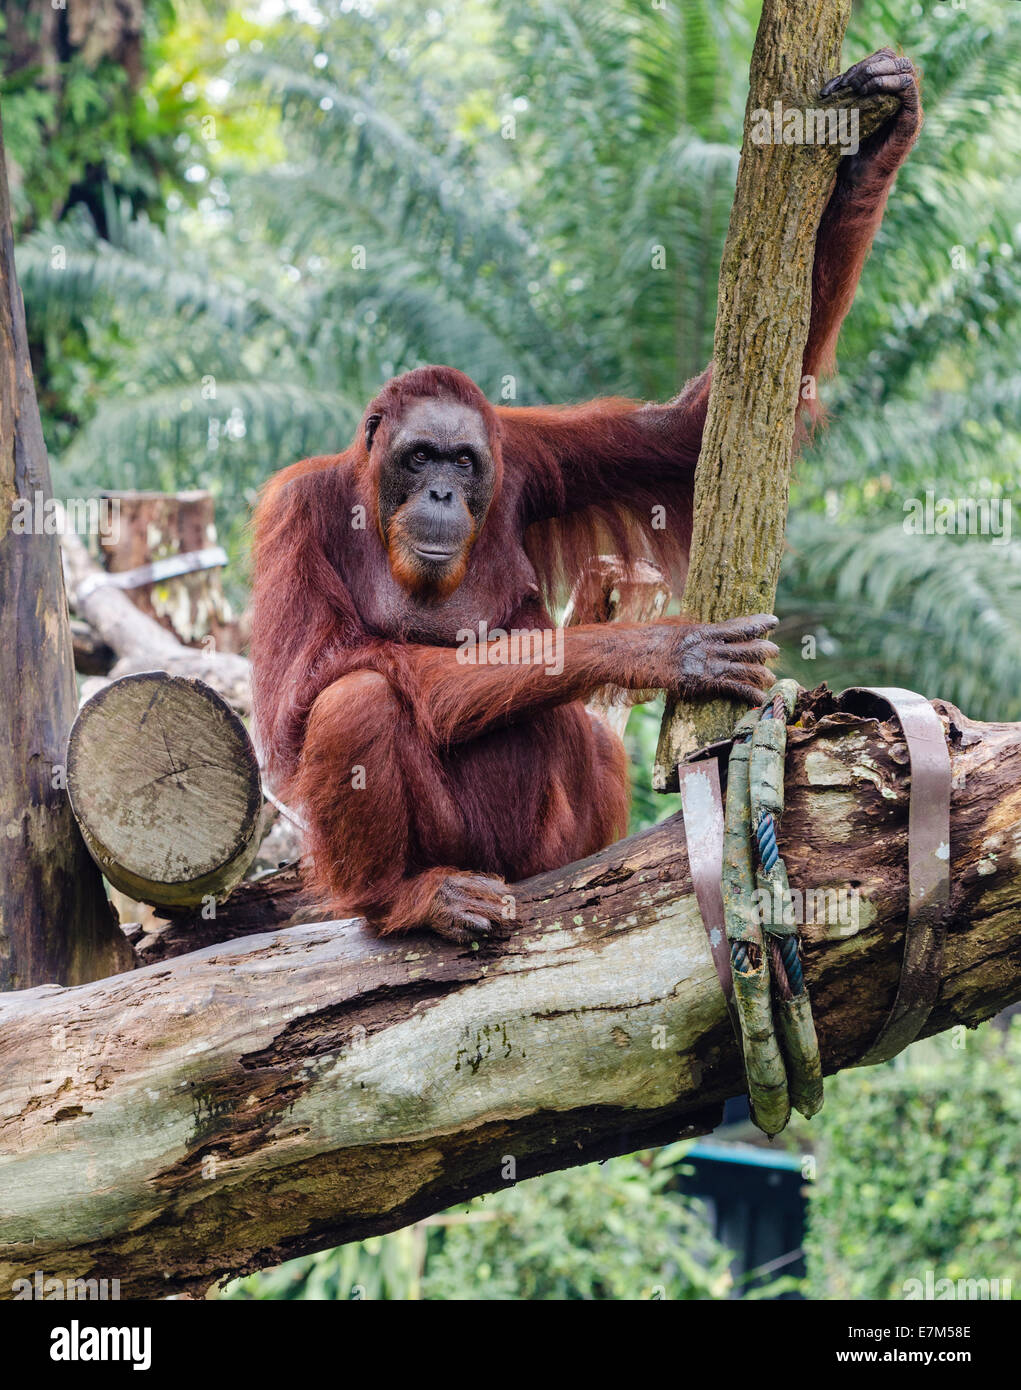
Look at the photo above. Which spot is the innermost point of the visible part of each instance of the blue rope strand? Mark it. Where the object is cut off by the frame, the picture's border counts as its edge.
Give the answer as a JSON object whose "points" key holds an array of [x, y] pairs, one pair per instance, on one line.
{"points": [[765, 835], [792, 964]]}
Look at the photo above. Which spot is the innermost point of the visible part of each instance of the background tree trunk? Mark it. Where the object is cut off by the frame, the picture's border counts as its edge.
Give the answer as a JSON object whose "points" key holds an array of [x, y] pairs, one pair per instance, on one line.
{"points": [[284, 1093], [55, 922]]}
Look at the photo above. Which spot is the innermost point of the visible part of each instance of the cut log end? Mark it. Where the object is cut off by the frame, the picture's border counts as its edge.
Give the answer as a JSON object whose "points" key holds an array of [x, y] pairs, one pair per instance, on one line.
{"points": [[165, 785]]}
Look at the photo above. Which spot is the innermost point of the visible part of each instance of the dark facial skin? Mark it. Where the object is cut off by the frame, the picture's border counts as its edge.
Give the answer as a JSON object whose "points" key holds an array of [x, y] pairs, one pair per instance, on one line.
{"points": [[435, 486]]}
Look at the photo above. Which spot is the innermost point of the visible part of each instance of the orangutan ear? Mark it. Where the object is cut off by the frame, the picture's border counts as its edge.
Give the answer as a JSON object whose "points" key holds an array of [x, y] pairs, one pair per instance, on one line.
{"points": [[371, 425]]}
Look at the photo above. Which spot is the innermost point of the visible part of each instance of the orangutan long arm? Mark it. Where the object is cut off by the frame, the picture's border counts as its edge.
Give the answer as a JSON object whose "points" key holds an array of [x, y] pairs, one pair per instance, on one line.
{"points": [[467, 691]]}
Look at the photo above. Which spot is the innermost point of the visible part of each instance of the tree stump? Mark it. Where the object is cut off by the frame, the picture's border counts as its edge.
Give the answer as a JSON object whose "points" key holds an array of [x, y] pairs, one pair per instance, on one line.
{"points": [[140, 643], [157, 525], [164, 782]]}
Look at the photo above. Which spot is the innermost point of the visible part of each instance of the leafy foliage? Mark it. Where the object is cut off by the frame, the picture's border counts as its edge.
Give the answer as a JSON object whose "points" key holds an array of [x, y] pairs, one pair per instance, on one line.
{"points": [[919, 1169], [605, 1231], [75, 126], [930, 613]]}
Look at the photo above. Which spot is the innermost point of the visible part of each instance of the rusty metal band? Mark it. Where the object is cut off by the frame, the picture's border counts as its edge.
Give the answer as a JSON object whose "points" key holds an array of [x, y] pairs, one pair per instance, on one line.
{"points": [[928, 868], [702, 807]]}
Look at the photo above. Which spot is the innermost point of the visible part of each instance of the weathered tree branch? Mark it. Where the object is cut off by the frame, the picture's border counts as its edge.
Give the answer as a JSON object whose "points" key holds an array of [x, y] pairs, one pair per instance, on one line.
{"points": [[231, 1108]]}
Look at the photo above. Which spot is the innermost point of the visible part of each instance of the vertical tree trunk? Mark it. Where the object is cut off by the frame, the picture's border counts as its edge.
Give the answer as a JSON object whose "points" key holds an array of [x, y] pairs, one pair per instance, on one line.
{"points": [[55, 921], [762, 321]]}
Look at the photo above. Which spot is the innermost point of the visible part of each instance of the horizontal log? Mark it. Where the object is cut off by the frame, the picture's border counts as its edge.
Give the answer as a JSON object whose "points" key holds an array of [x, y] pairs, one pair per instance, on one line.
{"points": [[227, 1109]]}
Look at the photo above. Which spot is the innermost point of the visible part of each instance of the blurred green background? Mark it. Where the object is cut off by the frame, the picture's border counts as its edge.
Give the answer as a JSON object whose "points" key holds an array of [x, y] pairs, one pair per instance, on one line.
{"points": [[235, 225]]}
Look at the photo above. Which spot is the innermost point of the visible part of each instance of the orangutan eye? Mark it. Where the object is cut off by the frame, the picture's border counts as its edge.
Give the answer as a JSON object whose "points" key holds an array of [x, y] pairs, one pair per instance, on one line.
{"points": [[465, 461]]}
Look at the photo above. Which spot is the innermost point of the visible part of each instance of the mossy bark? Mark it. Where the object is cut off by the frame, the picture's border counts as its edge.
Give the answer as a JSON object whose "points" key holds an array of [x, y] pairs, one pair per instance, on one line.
{"points": [[762, 320]]}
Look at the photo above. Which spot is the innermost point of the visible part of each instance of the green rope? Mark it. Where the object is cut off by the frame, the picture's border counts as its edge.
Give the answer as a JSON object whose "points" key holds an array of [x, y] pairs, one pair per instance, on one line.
{"points": [[763, 1063], [781, 1050]]}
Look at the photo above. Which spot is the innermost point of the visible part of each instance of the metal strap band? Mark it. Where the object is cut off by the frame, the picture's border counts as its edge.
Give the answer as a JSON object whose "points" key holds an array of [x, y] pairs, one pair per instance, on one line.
{"points": [[702, 806], [171, 567], [928, 868]]}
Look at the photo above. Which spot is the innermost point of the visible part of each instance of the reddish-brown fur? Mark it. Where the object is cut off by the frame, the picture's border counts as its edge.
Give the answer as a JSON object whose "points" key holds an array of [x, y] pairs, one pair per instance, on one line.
{"points": [[413, 767]]}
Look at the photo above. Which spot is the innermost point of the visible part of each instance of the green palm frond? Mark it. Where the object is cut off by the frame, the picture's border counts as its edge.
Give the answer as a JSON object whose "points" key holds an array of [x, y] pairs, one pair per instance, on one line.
{"points": [[177, 437], [959, 188], [958, 436], [938, 614], [68, 270], [376, 156], [979, 302]]}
